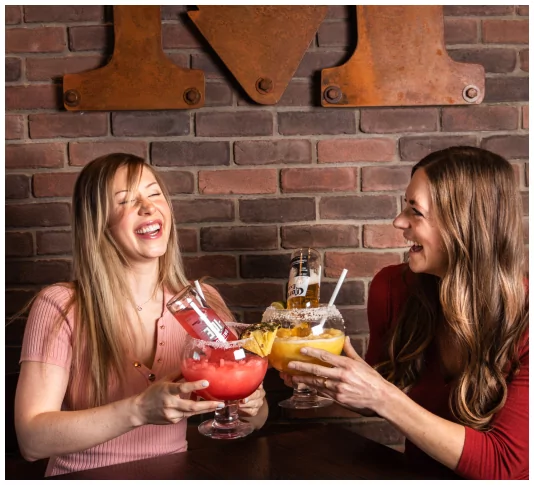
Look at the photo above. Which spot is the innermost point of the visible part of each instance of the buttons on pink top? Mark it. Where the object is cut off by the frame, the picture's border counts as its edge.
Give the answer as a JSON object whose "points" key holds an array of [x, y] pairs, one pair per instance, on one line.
{"points": [[151, 377], [137, 364], [162, 343], [162, 327]]}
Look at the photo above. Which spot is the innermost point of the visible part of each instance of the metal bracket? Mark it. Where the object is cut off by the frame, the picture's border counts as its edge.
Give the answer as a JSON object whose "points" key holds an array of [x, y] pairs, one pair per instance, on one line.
{"points": [[401, 60], [139, 76], [261, 46]]}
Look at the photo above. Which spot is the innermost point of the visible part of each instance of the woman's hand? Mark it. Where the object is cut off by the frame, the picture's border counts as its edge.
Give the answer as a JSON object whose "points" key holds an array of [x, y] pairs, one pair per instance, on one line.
{"points": [[350, 381], [167, 401], [251, 405]]}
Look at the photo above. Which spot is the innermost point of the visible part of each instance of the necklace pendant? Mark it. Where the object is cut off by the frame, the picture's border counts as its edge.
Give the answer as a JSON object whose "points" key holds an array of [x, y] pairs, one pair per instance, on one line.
{"points": [[139, 308]]}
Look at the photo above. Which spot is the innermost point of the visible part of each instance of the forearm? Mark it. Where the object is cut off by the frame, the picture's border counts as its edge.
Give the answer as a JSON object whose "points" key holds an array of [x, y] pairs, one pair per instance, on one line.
{"points": [[441, 439], [259, 420], [63, 432]]}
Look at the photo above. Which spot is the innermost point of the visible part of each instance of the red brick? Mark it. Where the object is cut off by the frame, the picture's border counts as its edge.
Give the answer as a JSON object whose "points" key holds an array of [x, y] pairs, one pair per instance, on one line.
{"points": [[335, 122], [54, 242], [63, 13], [338, 33], [81, 153], [12, 70], [189, 153], [180, 36], [479, 118], [339, 11], [417, 147], [247, 295], [320, 236], [214, 266], [203, 210], [218, 94], [356, 150], [399, 120], [265, 265], [40, 215], [524, 199], [35, 155], [505, 31], [358, 207], [351, 293], [355, 320], [314, 61], [13, 14], [494, 59], [460, 31], [298, 93], [358, 264], [150, 123], [17, 299], [179, 59], [178, 182], [518, 169], [506, 89], [523, 59], [36, 96], [477, 10], [508, 146], [91, 38], [212, 66], [173, 12], [37, 272], [385, 178], [382, 236], [525, 117], [277, 210], [262, 152], [339, 179], [68, 125], [54, 68], [14, 127], [238, 238], [60, 184], [19, 244], [522, 10], [242, 123], [188, 240], [43, 39], [238, 181], [17, 186]]}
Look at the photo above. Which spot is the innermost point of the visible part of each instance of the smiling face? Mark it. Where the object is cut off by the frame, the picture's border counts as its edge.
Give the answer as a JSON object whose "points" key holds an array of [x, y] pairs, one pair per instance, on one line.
{"points": [[418, 224], [140, 220]]}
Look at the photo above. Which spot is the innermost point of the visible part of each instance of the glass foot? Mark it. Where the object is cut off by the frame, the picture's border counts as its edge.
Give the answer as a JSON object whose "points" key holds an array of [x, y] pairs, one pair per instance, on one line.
{"points": [[237, 429]]}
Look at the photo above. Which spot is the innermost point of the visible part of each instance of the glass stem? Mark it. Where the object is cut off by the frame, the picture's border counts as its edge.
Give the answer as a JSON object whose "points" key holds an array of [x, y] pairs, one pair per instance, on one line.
{"points": [[301, 392], [227, 415]]}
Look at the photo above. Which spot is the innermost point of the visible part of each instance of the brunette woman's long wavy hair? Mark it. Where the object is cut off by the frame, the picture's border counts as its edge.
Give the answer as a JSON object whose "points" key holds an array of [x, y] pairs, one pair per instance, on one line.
{"points": [[482, 297], [103, 330]]}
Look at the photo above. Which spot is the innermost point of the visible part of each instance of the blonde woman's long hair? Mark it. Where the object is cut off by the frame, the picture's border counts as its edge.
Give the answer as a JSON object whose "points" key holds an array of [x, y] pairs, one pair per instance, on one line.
{"points": [[482, 297], [101, 293]]}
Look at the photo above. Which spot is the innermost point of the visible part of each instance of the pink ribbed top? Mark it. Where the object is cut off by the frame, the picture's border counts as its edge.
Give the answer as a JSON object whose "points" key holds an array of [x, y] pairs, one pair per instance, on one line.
{"points": [[142, 442]]}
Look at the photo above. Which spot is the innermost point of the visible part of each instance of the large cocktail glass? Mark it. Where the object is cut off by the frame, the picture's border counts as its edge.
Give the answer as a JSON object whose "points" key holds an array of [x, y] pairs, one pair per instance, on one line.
{"points": [[296, 332], [233, 373]]}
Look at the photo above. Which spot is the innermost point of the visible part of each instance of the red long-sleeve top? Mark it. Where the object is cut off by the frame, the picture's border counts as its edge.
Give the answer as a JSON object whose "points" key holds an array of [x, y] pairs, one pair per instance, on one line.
{"points": [[502, 452]]}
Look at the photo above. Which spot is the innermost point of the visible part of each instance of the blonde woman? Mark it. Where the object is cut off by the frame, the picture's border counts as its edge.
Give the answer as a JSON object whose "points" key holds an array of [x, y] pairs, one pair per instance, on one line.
{"points": [[100, 379], [447, 362]]}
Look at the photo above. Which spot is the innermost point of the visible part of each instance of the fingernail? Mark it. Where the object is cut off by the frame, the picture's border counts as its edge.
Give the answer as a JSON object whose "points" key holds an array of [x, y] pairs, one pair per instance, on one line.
{"points": [[205, 383], [220, 406], [245, 400], [303, 351], [291, 365]]}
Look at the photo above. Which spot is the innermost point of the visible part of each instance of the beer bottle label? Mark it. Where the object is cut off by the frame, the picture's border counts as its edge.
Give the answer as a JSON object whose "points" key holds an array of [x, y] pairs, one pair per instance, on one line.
{"points": [[298, 286], [300, 263]]}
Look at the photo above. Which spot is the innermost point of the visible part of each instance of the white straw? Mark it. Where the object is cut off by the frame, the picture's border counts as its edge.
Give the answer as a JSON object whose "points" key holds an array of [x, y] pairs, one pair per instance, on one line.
{"points": [[199, 289], [206, 320], [318, 329]]}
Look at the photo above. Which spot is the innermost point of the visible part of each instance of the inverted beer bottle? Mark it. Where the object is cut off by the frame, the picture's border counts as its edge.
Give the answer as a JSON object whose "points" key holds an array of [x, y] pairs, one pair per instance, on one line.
{"points": [[197, 318], [303, 290]]}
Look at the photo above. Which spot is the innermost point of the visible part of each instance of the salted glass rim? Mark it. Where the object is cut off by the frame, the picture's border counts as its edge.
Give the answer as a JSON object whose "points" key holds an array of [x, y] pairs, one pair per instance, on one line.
{"points": [[230, 344]]}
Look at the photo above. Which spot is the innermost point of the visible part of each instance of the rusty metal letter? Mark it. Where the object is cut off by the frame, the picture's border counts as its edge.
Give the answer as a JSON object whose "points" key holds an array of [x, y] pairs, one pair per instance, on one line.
{"points": [[139, 76], [401, 60], [261, 46]]}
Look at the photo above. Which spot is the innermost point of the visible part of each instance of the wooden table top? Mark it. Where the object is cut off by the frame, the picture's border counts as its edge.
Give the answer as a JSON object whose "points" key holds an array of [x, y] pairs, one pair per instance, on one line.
{"points": [[288, 451]]}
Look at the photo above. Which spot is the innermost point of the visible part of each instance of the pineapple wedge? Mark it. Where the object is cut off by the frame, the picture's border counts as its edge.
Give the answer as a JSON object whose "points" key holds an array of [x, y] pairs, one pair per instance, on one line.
{"points": [[263, 335]]}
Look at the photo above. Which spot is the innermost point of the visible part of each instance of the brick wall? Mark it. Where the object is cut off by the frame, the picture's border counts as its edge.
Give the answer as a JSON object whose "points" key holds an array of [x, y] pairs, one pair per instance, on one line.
{"points": [[248, 182]]}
